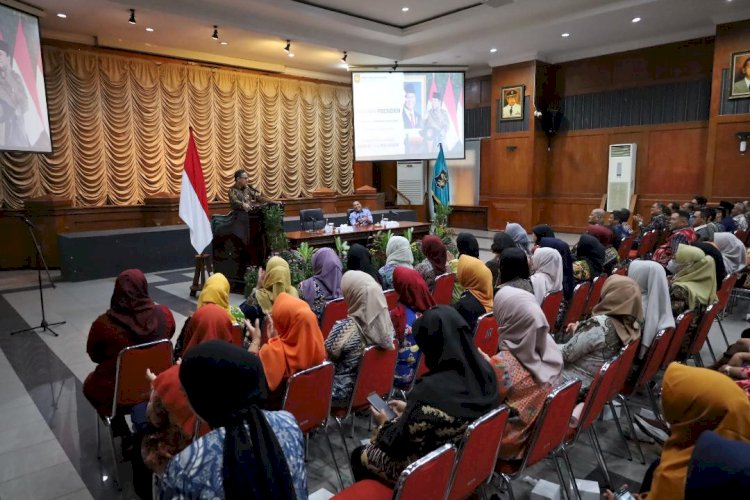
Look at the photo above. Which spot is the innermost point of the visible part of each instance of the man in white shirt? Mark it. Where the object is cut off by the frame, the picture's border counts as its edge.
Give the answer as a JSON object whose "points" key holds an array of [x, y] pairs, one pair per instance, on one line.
{"points": [[511, 109], [743, 86]]}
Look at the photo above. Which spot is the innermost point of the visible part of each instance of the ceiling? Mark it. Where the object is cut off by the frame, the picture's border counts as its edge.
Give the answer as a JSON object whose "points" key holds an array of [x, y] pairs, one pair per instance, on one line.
{"points": [[445, 32]]}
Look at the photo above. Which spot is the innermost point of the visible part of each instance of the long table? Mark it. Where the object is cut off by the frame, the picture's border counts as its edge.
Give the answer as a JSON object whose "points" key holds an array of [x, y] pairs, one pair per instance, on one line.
{"points": [[360, 234]]}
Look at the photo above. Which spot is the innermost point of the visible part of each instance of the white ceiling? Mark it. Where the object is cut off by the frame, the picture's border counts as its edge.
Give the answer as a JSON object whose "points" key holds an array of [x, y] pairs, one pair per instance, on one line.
{"points": [[256, 30]]}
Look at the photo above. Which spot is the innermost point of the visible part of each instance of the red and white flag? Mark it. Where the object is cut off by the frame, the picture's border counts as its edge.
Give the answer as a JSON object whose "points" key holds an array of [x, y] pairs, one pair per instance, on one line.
{"points": [[193, 200], [35, 118]]}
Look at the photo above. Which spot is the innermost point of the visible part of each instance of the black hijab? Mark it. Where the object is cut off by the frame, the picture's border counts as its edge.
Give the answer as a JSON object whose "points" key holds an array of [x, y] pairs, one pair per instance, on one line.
{"points": [[358, 259], [226, 385], [567, 259], [501, 242], [467, 244], [513, 264], [590, 250], [542, 231], [714, 252]]}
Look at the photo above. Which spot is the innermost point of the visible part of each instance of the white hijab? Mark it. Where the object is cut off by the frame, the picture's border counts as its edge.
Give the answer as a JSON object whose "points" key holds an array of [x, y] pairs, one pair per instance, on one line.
{"points": [[657, 307], [548, 274], [732, 250], [398, 251]]}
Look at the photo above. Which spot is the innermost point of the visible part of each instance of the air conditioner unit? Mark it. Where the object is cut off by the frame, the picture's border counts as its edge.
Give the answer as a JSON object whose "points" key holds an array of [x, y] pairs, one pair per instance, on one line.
{"points": [[621, 177], [410, 182]]}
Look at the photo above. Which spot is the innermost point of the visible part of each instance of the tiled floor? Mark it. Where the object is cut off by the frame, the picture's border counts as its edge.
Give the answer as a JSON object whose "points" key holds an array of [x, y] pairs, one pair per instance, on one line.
{"points": [[47, 433]]}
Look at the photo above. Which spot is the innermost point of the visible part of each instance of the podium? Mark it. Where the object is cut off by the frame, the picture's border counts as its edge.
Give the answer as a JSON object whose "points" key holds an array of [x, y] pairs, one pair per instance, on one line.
{"points": [[239, 240]]}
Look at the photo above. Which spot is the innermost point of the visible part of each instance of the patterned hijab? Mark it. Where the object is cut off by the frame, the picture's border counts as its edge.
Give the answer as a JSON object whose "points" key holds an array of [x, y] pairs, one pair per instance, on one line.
{"points": [[215, 291], [621, 302], [732, 250], [368, 308], [657, 308], [524, 332], [131, 305], [278, 279], [519, 235], [476, 278], [398, 252], [326, 267], [436, 252], [548, 273], [697, 275]]}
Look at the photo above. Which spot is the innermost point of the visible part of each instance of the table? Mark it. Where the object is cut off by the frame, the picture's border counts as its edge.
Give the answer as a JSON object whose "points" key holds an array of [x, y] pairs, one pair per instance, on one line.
{"points": [[359, 235]]}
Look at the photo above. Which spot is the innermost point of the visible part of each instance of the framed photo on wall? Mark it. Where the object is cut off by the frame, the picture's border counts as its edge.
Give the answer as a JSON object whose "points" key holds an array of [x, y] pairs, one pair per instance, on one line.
{"points": [[512, 101], [740, 74]]}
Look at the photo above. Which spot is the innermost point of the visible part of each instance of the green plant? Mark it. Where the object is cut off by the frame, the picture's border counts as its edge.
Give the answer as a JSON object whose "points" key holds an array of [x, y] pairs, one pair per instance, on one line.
{"points": [[378, 246], [306, 252], [273, 218], [440, 227], [251, 280], [342, 248], [296, 266]]}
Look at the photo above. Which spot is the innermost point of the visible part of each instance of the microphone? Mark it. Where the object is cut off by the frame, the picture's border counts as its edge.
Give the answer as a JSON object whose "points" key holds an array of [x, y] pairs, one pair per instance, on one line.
{"points": [[23, 217], [311, 219]]}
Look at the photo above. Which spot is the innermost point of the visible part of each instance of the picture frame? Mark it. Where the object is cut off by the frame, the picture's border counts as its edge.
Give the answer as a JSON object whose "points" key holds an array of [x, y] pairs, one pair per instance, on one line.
{"points": [[512, 103], [739, 67]]}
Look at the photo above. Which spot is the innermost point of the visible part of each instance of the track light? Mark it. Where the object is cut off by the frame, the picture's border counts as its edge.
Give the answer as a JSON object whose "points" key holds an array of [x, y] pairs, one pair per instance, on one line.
{"points": [[215, 36], [132, 16], [288, 48], [395, 65], [343, 59]]}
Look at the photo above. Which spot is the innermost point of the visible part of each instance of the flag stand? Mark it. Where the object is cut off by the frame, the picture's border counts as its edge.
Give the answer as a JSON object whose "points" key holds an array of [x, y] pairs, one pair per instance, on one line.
{"points": [[203, 268]]}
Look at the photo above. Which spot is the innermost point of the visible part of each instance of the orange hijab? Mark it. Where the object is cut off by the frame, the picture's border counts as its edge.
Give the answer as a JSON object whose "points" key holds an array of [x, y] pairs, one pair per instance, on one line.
{"points": [[696, 400], [210, 322], [298, 343]]}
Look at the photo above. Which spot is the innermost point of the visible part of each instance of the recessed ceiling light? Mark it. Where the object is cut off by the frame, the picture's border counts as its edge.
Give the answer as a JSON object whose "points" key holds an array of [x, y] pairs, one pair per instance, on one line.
{"points": [[223, 43], [404, 9], [150, 30], [61, 15], [565, 35], [493, 50], [636, 20], [291, 54]]}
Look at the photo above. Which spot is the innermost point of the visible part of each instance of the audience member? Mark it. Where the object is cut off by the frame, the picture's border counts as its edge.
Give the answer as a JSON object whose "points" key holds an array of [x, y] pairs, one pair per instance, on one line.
{"points": [[606, 238], [500, 242], [358, 259], [597, 216], [542, 231], [459, 388], [413, 299], [659, 219], [368, 323], [616, 322], [528, 365], [520, 236], [436, 262], [276, 279], [325, 284], [719, 467], [548, 273], [250, 453], [620, 226], [699, 201], [657, 309], [710, 249], [589, 261], [476, 280], [467, 244], [680, 233], [359, 216], [732, 250], [567, 263], [514, 270], [739, 214], [215, 291], [397, 254], [727, 222], [703, 225]]}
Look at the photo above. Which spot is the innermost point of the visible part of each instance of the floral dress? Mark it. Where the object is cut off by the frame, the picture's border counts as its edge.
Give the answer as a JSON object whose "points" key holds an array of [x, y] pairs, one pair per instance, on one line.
{"points": [[594, 343], [319, 300], [345, 340], [408, 354]]}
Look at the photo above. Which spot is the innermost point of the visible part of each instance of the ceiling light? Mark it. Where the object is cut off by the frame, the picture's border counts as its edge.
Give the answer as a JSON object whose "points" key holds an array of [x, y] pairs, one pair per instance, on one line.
{"points": [[493, 50], [343, 59], [404, 9], [215, 35], [223, 43], [150, 30], [132, 16], [61, 15], [636, 20], [565, 35], [291, 54]]}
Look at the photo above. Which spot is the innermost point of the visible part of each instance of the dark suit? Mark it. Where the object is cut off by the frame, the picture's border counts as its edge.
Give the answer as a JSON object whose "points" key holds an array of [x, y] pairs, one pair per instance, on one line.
{"points": [[408, 123]]}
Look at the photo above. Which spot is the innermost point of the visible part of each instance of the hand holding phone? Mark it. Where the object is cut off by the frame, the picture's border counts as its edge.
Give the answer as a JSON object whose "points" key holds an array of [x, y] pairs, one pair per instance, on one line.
{"points": [[379, 404]]}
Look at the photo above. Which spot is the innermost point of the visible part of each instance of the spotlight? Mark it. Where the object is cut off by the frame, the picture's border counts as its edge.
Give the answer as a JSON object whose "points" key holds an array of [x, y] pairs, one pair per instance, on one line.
{"points": [[132, 16], [215, 36], [343, 59], [395, 65], [288, 47]]}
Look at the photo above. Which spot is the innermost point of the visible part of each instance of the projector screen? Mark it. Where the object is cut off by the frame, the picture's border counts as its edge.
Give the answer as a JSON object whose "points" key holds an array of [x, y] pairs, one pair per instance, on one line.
{"points": [[406, 115], [24, 123]]}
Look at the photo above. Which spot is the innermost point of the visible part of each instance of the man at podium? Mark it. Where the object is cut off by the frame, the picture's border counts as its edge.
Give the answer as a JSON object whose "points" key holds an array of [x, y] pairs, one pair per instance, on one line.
{"points": [[242, 196]]}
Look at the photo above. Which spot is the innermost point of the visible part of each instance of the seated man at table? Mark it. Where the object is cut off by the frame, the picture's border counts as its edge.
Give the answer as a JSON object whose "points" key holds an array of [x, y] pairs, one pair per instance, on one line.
{"points": [[360, 216]]}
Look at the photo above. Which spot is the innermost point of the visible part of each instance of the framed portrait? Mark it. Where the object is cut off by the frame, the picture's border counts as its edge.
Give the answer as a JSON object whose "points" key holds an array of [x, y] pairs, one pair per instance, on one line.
{"points": [[739, 84], [512, 102]]}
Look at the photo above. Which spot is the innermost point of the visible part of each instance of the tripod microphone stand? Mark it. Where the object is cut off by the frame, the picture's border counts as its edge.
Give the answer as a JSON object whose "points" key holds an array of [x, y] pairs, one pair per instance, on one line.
{"points": [[39, 262]]}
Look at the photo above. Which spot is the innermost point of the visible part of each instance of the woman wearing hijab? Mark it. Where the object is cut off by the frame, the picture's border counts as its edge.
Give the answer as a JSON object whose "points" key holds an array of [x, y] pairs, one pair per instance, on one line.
{"points": [[413, 299], [568, 282], [358, 259], [548, 275], [514, 270], [719, 468], [397, 254], [250, 453], [131, 319], [476, 280], [710, 249], [616, 322], [590, 256], [459, 388], [467, 244], [606, 237], [436, 262], [732, 250], [501, 242], [295, 342], [657, 310], [325, 283], [527, 366], [520, 236], [542, 231], [368, 324], [276, 279]]}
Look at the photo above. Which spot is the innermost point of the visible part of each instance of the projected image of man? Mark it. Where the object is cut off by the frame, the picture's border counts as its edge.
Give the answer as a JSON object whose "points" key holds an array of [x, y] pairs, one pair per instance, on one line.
{"points": [[436, 122], [411, 116], [13, 103]]}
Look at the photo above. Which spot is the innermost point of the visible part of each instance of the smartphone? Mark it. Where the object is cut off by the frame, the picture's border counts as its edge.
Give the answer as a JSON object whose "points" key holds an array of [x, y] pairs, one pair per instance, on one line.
{"points": [[379, 404], [622, 493]]}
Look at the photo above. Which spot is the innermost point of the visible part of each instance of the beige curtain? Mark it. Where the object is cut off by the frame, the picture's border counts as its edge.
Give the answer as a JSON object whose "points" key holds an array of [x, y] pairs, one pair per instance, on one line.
{"points": [[120, 129]]}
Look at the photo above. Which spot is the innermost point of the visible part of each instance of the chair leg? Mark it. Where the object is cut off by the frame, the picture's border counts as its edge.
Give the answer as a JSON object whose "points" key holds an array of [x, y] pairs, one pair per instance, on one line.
{"points": [[98, 438], [115, 463], [508, 486], [599, 456], [333, 456], [632, 427], [354, 421], [563, 481], [698, 360], [566, 458], [346, 447], [654, 403], [723, 333], [710, 349], [616, 420]]}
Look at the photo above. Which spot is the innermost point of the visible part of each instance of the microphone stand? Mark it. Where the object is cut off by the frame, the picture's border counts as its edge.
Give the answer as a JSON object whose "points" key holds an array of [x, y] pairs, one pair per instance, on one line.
{"points": [[39, 262]]}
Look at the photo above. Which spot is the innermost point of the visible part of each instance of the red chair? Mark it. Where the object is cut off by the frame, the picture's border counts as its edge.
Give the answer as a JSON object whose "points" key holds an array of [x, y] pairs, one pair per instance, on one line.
{"points": [[576, 305], [743, 236], [627, 355], [477, 453], [622, 271], [391, 298], [701, 337], [551, 306], [595, 294], [308, 398], [335, 310], [682, 325], [443, 292], [724, 293], [131, 385], [486, 334], [623, 251], [646, 246], [238, 334], [549, 431], [428, 477]]}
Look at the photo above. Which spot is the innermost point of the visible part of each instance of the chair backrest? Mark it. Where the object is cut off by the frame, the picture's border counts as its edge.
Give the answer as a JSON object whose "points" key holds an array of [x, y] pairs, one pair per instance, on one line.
{"points": [[647, 244], [627, 358], [624, 249], [725, 291], [237, 335], [622, 271], [443, 292], [131, 385], [703, 328], [428, 477], [308, 396], [682, 324], [486, 335], [551, 425], [391, 298], [595, 294], [577, 304], [375, 375], [312, 218], [334, 310], [654, 357], [743, 236], [551, 306], [597, 395], [477, 453]]}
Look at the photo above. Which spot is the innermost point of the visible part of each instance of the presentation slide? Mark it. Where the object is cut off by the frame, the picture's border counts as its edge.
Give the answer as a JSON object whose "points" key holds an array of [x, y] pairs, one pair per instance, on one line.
{"points": [[408, 115], [24, 124]]}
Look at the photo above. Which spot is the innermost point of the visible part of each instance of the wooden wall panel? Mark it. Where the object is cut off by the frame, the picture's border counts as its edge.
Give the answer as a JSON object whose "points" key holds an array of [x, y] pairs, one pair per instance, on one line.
{"points": [[731, 176], [676, 159], [579, 164], [511, 165]]}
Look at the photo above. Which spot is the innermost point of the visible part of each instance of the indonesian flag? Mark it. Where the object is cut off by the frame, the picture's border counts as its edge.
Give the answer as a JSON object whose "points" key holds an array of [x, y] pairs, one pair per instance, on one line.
{"points": [[193, 201], [449, 104], [35, 118]]}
